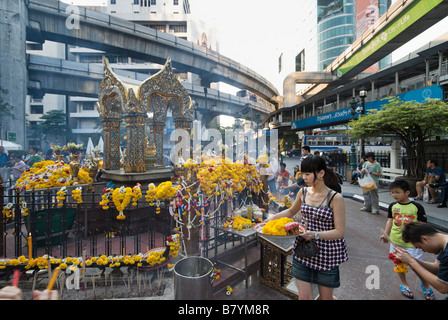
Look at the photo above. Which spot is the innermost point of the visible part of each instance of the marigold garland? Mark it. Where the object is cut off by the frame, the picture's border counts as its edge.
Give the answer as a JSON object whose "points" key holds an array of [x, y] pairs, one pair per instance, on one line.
{"points": [[77, 195], [149, 259], [60, 196], [7, 211], [106, 198], [121, 197], [400, 267], [238, 223]]}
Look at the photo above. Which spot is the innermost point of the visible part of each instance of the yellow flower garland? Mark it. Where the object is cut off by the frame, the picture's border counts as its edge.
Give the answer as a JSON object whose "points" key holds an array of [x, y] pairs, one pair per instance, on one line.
{"points": [[238, 223], [76, 195], [60, 196], [121, 198], [137, 194], [7, 211]]}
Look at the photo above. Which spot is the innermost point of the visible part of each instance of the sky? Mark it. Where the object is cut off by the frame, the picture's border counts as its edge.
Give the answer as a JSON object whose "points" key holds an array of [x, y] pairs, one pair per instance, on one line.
{"points": [[255, 32], [251, 32]]}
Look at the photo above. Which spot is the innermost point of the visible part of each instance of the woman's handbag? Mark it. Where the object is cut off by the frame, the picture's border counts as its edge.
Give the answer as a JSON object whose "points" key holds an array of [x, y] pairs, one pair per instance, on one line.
{"points": [[367, 183], [305, 248]]}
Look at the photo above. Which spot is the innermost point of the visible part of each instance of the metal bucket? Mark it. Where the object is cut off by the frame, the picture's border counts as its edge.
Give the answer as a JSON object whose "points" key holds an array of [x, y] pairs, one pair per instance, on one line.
{"points": [[193, 279]]}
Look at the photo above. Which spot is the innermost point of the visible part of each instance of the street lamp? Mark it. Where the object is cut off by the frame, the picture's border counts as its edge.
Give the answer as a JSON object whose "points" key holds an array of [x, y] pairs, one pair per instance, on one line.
{"points": [[352, 148], [363, 95]]}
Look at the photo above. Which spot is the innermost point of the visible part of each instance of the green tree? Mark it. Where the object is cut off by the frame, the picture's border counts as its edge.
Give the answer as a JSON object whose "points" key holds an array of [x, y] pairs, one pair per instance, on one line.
{"points": [[412, 122], [54, 124]]}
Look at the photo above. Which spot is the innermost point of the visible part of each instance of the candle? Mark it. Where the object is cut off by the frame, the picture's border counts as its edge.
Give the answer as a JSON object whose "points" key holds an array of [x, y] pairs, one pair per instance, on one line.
{"points": [[53, 279], [30, 247]]}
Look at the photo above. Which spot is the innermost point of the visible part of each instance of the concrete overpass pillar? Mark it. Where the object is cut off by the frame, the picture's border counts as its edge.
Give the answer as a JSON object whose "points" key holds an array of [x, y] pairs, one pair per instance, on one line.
{"points": [[205, 117], [13, 66]]}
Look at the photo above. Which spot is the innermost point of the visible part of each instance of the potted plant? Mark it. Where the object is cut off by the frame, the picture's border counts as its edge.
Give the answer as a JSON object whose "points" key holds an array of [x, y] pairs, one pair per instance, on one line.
{"points": [[410, 121]]}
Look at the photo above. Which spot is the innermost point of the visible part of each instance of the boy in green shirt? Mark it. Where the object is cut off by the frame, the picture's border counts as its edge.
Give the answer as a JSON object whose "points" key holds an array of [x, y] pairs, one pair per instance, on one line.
{"points": [[400, 213]]}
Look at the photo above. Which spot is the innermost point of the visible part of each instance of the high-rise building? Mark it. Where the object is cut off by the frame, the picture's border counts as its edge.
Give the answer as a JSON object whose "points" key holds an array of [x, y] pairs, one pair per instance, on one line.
{"points": [[325, 28]]}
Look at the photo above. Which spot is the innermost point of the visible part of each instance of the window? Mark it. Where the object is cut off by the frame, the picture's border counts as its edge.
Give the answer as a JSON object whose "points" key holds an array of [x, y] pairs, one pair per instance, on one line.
{"points": [[136, 2], [178, 28], [176, 2], [37, 109], [113, 1], [158, 27], [300, 61], [88, 107], [153, 2], [280, 63]]}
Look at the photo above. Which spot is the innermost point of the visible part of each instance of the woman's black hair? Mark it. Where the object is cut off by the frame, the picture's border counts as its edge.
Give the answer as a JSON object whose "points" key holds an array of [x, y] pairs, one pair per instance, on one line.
{"points": [[316, 164], [370, 154]]}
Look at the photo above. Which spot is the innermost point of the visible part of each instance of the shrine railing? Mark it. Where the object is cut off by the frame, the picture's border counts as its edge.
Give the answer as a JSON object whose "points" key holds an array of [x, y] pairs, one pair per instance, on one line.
{"points": [[66, 228], [62, 228]]}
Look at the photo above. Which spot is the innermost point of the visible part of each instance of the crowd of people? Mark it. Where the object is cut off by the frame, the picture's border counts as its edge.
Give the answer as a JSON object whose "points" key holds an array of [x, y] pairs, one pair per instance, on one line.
{"points": [[18, 162]]}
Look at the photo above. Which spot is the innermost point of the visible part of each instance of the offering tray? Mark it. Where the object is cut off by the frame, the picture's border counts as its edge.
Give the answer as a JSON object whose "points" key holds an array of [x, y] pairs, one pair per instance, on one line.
{"points": [[259, 228]]}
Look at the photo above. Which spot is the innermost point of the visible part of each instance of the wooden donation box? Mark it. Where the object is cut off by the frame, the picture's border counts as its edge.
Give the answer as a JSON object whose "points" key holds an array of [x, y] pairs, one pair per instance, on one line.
{"points": [[275, 269]]}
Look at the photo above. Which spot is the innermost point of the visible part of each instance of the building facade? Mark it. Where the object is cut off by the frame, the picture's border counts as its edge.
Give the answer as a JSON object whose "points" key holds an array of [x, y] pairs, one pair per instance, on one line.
{"points": [[325, 29]]}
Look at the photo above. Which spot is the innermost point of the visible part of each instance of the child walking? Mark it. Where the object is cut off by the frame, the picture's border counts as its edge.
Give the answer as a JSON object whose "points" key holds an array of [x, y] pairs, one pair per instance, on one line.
{"points": [[400, 213]]}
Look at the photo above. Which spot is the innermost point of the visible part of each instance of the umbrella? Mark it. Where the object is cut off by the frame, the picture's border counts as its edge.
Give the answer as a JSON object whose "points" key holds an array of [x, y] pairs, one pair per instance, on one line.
{"points": [[8, 145], [101, 144], [89, 149]]}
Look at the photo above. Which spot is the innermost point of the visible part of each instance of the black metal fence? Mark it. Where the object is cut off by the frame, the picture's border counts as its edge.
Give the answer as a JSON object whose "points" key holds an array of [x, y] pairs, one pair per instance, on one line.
{"points": [[67, 228]]}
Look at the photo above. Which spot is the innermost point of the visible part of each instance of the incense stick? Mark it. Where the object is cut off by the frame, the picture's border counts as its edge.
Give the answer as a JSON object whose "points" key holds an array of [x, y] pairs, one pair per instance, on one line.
{"points": [[15, 279], [53, 278], [387, 237]]}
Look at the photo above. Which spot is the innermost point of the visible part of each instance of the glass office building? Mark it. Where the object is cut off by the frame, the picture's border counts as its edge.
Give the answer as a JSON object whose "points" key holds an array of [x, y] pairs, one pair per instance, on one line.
{"points": [[340, 22]]}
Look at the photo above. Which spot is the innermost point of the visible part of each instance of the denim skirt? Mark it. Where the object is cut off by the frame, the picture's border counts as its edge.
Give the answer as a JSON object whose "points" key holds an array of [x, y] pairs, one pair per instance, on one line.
{"points": [[328, 278]]}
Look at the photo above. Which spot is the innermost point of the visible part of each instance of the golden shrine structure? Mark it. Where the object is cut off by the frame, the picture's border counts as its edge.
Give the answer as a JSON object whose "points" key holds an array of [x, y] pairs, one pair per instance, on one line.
{"points": [[142, 158]]}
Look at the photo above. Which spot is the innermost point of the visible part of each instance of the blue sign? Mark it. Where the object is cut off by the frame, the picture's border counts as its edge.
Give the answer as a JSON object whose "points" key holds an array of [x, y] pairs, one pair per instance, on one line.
{"points": [[322, 120]]}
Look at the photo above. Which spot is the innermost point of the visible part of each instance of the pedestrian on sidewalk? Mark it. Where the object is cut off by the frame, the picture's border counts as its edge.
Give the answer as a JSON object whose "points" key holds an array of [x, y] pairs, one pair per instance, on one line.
{"points": [[429, 239], [434, 173], [357, 173], [400, 213], [323, 214], [371, 198], [283, 176], [272, 179]]}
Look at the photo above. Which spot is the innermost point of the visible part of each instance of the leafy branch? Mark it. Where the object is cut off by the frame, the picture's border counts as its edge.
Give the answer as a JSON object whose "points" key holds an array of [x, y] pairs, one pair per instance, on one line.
{"points": [[412, 122]]}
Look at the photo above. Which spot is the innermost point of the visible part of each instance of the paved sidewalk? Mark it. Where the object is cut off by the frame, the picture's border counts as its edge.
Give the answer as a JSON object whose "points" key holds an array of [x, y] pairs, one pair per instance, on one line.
{"points": [[436, 216]]}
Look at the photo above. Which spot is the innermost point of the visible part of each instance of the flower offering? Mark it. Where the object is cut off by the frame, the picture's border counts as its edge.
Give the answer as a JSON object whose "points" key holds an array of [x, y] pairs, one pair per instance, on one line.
{"points": [[277, 227]]}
